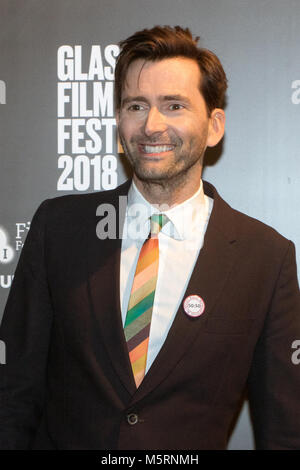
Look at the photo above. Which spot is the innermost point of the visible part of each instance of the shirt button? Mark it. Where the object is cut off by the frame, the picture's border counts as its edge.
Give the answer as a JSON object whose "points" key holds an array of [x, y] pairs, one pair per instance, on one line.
{"points": [[132, 418]]}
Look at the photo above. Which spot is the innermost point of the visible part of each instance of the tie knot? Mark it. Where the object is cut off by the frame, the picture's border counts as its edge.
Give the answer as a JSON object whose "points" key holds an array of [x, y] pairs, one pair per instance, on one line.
{"points": [[157, 221]]}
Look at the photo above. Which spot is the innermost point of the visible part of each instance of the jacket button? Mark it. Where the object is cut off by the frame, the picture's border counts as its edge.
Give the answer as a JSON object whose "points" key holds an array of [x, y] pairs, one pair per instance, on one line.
{"points": [[132, 418]]}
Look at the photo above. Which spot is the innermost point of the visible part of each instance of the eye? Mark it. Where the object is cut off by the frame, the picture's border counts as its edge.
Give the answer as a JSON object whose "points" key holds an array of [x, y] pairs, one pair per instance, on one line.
{"points": [[135, 107], [176, 107]]}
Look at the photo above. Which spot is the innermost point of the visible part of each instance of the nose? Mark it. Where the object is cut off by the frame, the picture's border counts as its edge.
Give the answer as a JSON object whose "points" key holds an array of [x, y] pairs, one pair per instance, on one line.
{"points": [[155, 122]]}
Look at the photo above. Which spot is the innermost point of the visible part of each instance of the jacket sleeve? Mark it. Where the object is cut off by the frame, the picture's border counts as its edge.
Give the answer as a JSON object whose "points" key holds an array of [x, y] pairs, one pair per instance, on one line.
{"points": [[274, 380], [25, 330]]}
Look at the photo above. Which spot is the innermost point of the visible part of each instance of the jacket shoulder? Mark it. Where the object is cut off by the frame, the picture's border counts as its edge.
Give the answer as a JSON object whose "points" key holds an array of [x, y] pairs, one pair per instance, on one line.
{"points": [[251, 233], [73, 208], [253, 228]]}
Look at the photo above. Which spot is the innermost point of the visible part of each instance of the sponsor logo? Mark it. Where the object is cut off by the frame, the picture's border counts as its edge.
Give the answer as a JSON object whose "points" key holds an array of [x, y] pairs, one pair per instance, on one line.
{"points": [[2, 92], [6, 250], [2, 352], [296, 354], [296, 94], [10, 246]]}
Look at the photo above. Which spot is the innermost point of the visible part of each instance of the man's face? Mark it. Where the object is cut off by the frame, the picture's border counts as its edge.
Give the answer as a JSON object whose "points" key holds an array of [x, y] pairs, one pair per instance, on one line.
{"points": [[163, 122]]}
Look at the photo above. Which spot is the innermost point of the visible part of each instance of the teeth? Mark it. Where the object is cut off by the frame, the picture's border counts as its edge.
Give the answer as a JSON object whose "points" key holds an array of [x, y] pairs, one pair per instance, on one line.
{"points": [[157, 148]]}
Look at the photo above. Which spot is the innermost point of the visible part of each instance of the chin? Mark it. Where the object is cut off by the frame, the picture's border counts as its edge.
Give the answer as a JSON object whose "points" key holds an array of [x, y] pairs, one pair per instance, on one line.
{"points": [[150, 176], [156, 176], [146, 172]]}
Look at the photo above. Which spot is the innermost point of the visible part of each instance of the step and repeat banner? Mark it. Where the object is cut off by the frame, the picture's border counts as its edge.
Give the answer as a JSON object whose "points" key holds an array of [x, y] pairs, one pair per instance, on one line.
{"points": [[57, 123]]}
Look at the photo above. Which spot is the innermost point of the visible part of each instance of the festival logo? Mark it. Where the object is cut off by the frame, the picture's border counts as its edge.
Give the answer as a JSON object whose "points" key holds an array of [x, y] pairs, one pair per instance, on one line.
{"points": [[86, 126]]}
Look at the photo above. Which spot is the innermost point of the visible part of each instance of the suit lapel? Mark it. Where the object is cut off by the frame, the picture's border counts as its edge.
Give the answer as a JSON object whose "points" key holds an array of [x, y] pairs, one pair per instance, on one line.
{"points": [[104, 279], [212, 268]]}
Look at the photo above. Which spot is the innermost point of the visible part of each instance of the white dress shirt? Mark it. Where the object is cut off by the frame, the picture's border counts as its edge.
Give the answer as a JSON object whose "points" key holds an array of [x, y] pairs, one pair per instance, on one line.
{"points": [[180, 242]]}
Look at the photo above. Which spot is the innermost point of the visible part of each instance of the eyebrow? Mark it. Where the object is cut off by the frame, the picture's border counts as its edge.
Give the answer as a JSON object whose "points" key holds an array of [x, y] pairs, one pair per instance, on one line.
{"points": [[178, 97], [129, 99]]}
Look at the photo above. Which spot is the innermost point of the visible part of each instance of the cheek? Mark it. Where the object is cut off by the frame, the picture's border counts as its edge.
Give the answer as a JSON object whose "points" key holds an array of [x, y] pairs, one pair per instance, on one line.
{"points": [[189, 133], [123, 129], [127, 128]]}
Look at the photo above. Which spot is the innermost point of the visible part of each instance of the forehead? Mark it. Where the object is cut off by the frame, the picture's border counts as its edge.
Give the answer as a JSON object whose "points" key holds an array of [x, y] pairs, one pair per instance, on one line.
{"points": [[168, 76]]}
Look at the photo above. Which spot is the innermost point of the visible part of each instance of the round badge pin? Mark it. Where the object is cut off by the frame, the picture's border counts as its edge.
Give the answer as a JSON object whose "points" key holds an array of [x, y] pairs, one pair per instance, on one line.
{"points": [[194, 306]]}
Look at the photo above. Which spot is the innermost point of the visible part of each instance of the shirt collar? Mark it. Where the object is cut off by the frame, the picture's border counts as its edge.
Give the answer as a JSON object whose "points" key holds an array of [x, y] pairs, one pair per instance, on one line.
{"points": [[185, 218]]}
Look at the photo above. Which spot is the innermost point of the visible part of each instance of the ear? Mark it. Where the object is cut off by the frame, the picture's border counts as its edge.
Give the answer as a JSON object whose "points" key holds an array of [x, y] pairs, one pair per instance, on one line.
{"points": [[216, 127]]}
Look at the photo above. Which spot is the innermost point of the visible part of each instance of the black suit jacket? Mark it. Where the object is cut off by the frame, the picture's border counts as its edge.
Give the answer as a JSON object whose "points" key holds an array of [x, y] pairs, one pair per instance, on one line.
{"points": [[68, 383]]}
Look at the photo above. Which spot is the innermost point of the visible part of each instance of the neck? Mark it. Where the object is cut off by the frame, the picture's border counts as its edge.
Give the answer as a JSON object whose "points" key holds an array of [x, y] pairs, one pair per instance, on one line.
{"points": [[169, 192]]}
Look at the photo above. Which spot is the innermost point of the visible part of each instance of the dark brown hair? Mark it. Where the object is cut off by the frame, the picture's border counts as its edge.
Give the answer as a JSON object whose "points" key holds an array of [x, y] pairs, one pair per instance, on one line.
{"points": [[162, 42]]}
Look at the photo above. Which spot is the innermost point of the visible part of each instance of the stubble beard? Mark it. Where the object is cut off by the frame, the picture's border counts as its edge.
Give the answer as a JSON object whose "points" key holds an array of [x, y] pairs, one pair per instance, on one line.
{"points": [[176, 174]]}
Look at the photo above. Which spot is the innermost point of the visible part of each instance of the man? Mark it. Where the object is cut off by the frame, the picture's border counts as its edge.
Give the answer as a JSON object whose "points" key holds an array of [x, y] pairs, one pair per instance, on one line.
{"points": [[148, 342]]}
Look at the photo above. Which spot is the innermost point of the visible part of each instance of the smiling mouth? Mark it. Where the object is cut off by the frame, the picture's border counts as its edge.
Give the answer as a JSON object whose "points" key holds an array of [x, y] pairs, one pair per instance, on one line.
{"points": [[156, 149]]}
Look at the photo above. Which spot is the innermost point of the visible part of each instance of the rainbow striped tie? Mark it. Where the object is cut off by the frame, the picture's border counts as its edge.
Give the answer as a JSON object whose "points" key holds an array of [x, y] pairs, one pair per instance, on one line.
{"points": [[138, 318]]}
